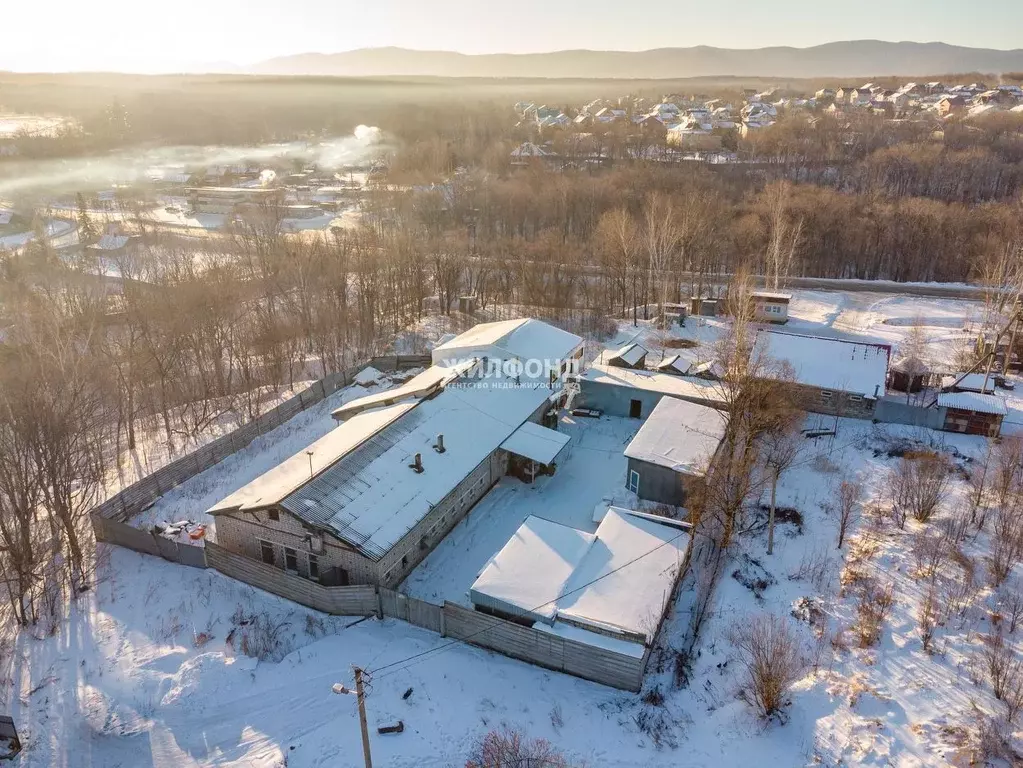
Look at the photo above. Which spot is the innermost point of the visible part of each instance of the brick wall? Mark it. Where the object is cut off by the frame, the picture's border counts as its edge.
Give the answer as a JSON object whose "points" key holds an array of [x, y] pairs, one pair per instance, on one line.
{"points": [[838, 403], [241, 533]]}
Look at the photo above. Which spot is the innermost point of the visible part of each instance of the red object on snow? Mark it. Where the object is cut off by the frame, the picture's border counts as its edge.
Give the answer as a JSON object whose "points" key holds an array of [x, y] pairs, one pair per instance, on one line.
{"points": [[197, 533]]}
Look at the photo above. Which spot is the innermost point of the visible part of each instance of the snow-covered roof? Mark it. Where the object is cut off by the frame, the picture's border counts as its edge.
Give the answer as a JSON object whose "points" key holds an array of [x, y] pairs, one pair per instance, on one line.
{"points": [[653, 381], [973, 401], [276, 484], [523, 339], [630, 354], [846, 366], [419, 386], [615, 580], [971, 382], [528, 149], [675, 364], [772, 296], [110, 242], [534, 442], [680, 435], [529, 573], [371, 498], [624, 580]]}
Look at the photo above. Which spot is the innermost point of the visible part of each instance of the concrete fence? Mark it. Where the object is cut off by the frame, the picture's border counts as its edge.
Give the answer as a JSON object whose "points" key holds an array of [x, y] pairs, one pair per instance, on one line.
{"points": [[450, 620]]}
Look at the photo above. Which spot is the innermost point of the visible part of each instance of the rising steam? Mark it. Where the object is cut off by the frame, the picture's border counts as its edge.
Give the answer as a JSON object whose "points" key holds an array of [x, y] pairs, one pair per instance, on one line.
{"points": [[126, 167]]}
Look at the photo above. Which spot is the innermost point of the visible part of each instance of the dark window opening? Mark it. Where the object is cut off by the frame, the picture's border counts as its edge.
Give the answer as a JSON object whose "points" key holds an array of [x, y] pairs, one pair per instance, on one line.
{"points": [[635, 409], [273, 514], [314, 567], [290, 559], [266, 552]]}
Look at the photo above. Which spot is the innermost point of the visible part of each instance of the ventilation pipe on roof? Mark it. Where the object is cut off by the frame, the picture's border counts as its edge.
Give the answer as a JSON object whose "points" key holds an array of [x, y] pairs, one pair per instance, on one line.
{"points": [[439, 445], [417, 464]]}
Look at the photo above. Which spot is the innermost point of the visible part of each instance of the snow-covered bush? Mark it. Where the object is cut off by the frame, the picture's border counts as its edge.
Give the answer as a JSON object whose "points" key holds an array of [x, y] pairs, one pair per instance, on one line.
{"points": [[497, 749]]}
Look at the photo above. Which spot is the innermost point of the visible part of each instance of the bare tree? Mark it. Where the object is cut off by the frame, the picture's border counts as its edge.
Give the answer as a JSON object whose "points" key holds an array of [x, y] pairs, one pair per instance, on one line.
{"points": [[771, 658], [850, 492], [783, 235], [779, 447]]}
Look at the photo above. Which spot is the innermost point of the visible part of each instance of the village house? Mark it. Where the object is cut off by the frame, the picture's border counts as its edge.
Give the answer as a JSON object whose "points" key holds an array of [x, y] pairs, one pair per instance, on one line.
{"points": [[369, 500], [770, 307], [576, 585], [825, 375], [670, 455]]}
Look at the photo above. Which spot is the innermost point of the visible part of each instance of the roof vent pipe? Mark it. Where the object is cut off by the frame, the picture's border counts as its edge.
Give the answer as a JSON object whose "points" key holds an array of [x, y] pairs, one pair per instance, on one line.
{"points": [[439, 445], [417, 464]]}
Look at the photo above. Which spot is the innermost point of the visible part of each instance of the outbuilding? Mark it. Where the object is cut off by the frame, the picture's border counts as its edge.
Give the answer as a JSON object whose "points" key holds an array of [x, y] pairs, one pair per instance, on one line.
{"points": [[770, 307], [629, 356], [673, 450], [608, 589], [632, 393], [973, 413]]}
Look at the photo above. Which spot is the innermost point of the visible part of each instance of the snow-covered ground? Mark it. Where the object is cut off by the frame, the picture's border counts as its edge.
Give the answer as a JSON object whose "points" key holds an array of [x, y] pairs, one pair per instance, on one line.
{"points": [[123, 681]]}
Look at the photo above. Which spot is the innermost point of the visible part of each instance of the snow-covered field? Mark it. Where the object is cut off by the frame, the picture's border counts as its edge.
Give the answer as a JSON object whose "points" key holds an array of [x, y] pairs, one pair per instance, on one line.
{"points": [[141, 673]]}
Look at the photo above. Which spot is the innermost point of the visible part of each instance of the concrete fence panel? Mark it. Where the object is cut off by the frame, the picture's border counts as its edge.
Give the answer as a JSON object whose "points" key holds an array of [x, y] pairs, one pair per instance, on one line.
{"points": [[342, 601], [544, 649]]}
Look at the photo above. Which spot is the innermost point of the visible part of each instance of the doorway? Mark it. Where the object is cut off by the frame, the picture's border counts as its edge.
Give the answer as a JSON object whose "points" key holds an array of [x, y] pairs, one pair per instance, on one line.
{"points": [[635, 409]]}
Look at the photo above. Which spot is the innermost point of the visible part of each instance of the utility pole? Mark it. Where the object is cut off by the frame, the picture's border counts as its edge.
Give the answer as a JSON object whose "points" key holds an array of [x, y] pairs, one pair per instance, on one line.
{"points": [[361, 696]]}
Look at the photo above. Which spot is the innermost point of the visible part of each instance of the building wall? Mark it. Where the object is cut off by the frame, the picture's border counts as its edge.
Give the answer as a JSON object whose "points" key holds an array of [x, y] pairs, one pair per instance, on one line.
{"points": [[814, 400], [241, 533], [656, 483], [615, 400], [972, 423]]}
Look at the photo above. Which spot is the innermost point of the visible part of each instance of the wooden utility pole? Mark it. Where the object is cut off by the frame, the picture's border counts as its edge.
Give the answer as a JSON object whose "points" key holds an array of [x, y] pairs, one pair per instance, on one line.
{"points": [[361, 695]]}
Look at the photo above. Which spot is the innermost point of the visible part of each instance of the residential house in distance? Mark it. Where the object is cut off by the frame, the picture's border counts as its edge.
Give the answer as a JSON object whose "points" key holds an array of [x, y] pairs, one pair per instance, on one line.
{"points": [[672, 451], [227, 200], [771, 307], [369, 500], [608, 589], [951, 105], [824, 375]]}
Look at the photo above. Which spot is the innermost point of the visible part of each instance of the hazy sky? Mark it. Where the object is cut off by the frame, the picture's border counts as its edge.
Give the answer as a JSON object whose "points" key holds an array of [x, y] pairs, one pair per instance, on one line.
{"points": [[174, 35]]}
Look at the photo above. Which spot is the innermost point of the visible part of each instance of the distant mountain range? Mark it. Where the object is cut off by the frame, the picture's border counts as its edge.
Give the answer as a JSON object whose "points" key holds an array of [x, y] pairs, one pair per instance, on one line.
{"points": [[854, 58]]}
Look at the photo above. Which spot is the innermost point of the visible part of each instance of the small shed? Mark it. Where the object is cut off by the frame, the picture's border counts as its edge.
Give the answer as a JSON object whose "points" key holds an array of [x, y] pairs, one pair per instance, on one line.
{"points": [[907, 374], [630, 356], [770, 307], [675, 365], [710, 370], [973, 413], [467, 304], [703, 307], [672, 450]]}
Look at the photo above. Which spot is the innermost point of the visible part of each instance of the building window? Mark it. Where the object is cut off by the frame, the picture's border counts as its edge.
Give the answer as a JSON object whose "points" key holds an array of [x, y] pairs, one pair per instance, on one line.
{"points": [[290, 560], [274, 515], [826, 394], [266, 552], [855, 398], [404, 561], [633, 481], [314, 567]]}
